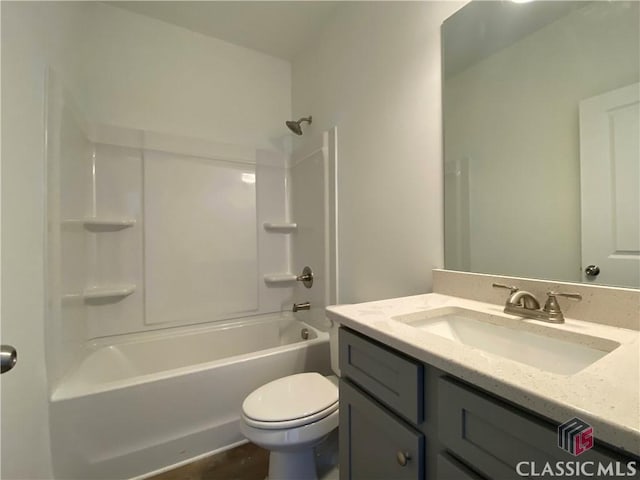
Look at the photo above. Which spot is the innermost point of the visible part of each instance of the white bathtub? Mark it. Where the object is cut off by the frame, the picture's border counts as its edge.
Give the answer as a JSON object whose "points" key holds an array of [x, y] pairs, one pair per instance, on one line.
{"points": [[154, 400]]}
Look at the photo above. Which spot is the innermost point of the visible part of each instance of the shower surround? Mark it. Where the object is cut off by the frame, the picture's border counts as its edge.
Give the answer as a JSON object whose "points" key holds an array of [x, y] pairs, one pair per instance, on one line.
{"points": [[163, 309]]}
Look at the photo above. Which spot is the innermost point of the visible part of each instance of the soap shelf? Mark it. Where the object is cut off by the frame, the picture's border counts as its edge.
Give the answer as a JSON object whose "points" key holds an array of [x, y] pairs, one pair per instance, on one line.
{"points": [[283, 227], [279, 278], [97, 224], [111, 292]]}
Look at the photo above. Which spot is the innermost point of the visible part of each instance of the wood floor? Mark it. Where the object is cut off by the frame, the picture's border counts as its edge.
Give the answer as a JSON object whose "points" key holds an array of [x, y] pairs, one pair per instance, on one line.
{"points": [[246, 462], [250, 462]]}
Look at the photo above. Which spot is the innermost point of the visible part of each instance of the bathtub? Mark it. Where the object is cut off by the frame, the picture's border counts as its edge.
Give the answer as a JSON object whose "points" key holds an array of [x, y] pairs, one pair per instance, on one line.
{"points": [[150, 401]]}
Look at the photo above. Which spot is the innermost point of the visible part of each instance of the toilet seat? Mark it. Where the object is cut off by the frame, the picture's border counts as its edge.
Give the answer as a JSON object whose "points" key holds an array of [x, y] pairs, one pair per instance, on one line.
{"points": [[291, 439], [291, 402], [296, 422]]}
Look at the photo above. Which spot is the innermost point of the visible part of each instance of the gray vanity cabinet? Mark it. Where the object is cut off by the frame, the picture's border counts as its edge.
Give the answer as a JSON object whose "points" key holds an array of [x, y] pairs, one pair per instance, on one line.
{"points": [[392, 378], [382, 412], [450, 469], [403, 419], [392, 449], [495, 437]]}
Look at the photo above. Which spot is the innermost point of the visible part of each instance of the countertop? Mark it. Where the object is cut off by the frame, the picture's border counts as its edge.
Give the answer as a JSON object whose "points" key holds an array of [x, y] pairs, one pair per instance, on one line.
{"points": [[606, 394]]}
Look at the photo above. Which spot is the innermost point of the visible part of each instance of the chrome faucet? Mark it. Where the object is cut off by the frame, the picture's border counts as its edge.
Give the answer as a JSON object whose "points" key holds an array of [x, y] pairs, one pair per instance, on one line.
{"points": [[525, 304], [306, 277], [301, 306]]}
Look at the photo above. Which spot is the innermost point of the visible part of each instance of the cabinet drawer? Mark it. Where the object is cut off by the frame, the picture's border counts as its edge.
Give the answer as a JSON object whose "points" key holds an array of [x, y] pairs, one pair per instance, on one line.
{"points": [[451, 469], [494, 436], [371, 438], [394, 379]]}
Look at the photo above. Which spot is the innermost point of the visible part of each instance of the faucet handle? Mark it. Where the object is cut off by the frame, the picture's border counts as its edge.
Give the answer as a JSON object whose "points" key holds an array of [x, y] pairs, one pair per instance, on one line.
{"points": [[552, 307], [306, 277], [574, 296], [508, 287]]}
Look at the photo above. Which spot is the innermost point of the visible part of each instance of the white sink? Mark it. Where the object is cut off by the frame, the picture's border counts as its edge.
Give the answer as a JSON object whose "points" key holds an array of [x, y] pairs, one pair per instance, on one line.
{"points": [[549, 349]]}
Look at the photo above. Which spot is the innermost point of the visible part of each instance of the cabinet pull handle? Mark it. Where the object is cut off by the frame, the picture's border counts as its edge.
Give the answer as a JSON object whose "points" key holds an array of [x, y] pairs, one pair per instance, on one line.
{"points": [[403, 458]]}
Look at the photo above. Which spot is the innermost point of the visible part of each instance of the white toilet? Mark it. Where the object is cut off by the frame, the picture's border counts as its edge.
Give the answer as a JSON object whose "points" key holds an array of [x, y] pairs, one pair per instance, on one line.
{"points": [[291, 415]]}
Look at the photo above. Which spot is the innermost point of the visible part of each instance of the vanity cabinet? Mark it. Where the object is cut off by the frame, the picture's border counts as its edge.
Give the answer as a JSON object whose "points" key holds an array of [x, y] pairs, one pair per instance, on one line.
{"points": [[450, 469], [382, 400], [393, 449], [404, 419]]}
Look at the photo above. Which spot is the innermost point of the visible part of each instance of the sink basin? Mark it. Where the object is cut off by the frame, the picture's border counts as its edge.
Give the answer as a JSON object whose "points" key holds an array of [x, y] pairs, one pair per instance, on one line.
{"points": [[549, 349]]}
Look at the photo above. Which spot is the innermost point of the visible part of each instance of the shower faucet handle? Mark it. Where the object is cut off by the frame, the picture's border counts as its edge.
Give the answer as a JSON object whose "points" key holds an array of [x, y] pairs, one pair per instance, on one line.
{"points": [[306, 277]]}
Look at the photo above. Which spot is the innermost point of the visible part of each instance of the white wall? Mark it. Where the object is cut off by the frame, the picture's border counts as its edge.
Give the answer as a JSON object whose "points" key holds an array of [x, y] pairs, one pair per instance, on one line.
{"points": [[375, 73], [33, 35], [146, 74], [514, 115]]}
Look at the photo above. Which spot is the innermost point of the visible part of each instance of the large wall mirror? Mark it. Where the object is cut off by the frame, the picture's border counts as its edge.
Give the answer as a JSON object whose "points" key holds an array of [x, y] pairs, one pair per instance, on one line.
{"points": [[541, 172]]}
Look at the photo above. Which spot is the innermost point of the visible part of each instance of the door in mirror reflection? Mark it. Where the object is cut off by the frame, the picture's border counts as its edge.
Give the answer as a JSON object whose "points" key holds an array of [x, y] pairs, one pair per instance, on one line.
{"points": [[610, 186]]}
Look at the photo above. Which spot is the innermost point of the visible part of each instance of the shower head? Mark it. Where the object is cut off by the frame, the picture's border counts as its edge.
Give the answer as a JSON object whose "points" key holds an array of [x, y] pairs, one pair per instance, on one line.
{"points": [[295, 127]]}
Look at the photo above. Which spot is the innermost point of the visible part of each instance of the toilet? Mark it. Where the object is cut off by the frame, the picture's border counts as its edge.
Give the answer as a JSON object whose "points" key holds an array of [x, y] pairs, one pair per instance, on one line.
{"points": [[290, 416]]}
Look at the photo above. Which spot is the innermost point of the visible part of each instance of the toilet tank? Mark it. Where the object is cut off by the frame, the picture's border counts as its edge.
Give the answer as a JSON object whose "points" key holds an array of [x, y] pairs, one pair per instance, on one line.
{"points": [[333, 347]]}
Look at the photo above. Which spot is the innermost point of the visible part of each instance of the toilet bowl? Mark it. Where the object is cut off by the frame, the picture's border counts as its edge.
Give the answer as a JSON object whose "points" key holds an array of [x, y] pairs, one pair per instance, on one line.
{"points": [[291, 415]]}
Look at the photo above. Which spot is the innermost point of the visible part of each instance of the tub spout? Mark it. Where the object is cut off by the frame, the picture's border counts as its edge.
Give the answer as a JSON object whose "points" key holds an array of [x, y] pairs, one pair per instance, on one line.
{"points": [[301, 306]]}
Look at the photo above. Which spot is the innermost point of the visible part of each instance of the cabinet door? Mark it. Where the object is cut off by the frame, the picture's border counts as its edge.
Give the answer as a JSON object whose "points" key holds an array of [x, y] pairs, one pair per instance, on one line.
{"points": [[450, 469], [389, 376], [374, 442], [494, 438]]}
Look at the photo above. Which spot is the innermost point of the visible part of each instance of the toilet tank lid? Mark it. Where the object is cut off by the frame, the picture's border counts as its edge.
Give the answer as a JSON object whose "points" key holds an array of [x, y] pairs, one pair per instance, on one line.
{"points": [[288, 398]]}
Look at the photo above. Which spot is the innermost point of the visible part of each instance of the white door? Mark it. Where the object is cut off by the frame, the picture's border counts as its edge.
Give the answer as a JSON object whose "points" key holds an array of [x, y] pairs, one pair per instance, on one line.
{"points": [[24, 422], [610, 187]]}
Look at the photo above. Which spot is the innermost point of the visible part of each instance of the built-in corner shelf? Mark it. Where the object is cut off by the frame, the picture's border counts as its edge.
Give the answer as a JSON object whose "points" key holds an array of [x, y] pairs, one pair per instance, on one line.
{"points": [[106, 293], [283, 227], [279, 279], [111, 291], [100, 224]]}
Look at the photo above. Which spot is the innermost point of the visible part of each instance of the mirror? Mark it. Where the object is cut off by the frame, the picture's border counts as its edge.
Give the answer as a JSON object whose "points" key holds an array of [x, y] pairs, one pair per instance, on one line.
{"points": [[541, 152]]}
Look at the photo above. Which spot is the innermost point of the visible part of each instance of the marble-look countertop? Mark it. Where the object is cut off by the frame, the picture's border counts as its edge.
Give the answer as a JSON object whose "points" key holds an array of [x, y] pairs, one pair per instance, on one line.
{"points": [[606, 394]]}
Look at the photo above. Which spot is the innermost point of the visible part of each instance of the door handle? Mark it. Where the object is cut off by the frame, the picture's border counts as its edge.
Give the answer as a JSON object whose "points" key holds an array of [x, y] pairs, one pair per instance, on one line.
{"points": [[8, 358], [592, 271]]}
